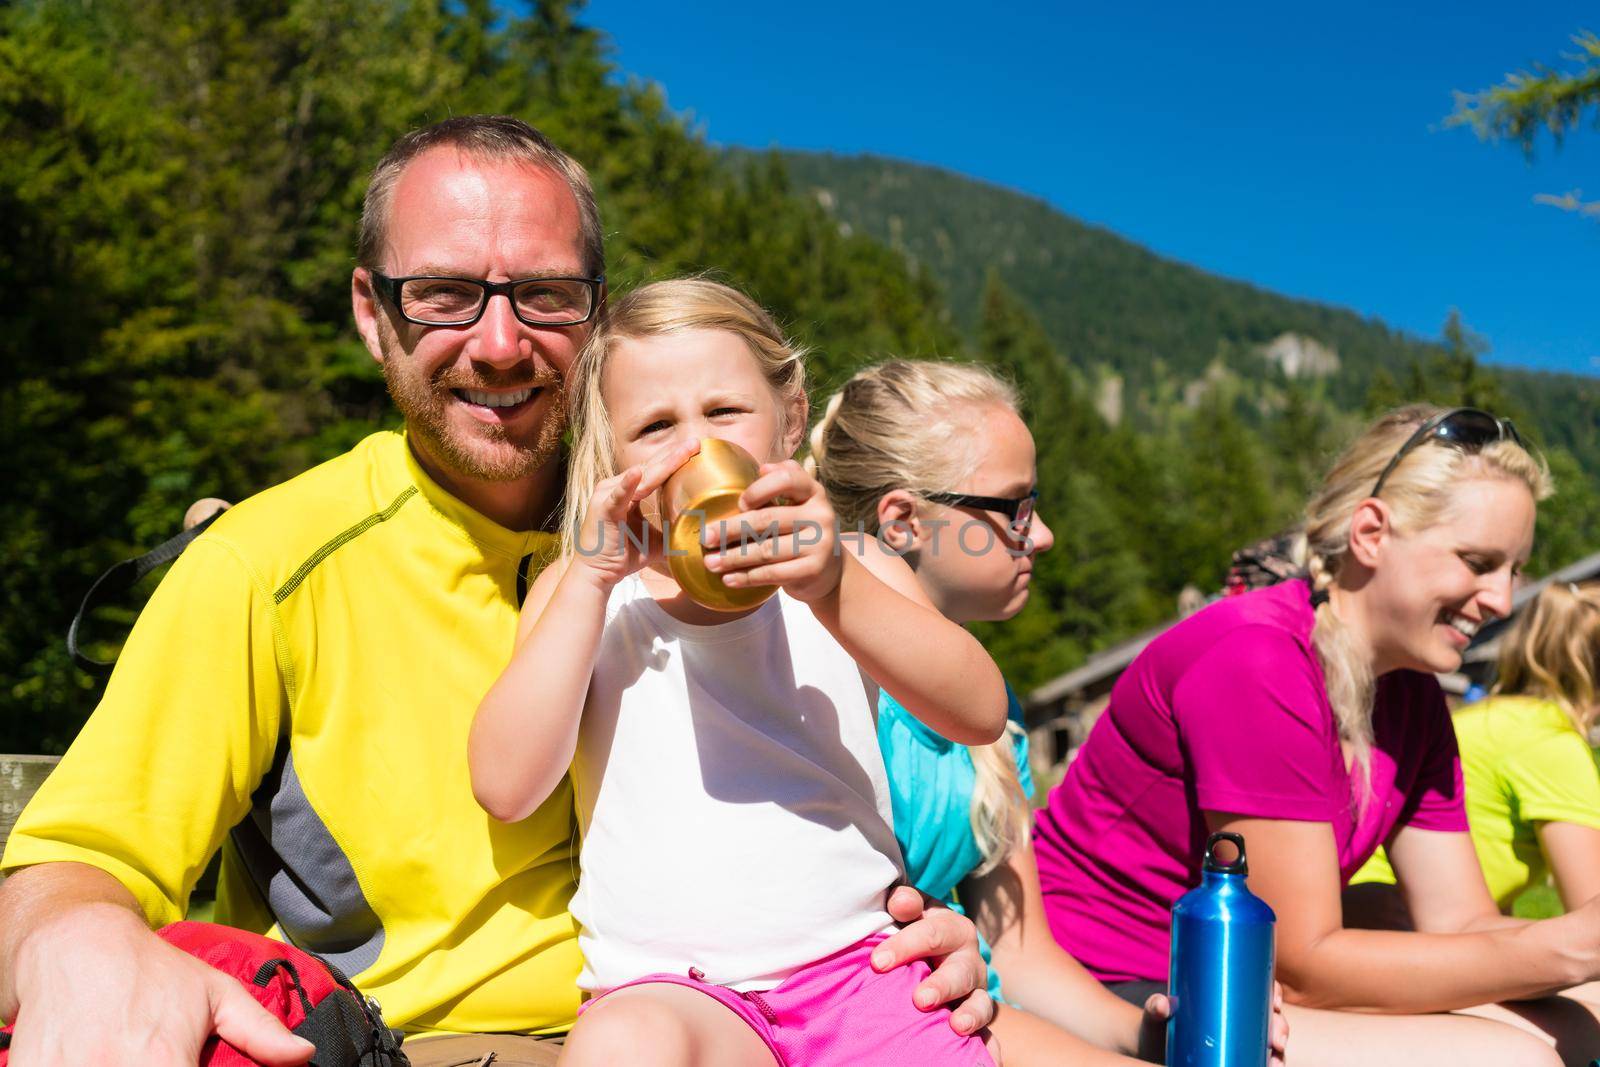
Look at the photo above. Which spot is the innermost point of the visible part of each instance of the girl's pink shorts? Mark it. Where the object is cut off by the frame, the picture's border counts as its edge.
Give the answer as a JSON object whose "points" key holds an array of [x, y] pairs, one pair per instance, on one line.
{"points": [[839, 1012]]}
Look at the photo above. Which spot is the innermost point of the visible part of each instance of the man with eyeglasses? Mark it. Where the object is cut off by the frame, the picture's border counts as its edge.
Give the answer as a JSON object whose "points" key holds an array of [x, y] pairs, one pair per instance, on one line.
{"points": [[298, 691]]}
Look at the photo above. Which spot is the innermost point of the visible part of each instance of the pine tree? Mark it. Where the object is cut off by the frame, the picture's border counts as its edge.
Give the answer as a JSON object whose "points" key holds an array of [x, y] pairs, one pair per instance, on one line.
{"points": [[1092, 587], [1460, 380], [1544, 100]]}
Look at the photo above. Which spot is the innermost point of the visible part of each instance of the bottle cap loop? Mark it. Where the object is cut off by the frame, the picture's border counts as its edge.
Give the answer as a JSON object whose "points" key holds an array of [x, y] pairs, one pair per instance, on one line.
{"points": [[1237, 865]]}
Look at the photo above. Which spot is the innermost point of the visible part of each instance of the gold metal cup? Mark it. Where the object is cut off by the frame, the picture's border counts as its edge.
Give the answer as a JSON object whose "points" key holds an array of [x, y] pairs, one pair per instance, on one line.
{"points": [[703, 492]]}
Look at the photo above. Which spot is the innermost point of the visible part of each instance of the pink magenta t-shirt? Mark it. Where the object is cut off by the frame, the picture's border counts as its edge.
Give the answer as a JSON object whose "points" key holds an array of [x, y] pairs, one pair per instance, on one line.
{"points": [[1227, 711]]}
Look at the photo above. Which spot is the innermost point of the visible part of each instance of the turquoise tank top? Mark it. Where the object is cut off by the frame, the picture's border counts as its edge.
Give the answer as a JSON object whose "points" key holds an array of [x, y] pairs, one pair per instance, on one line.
{"points": [[930, 789]]}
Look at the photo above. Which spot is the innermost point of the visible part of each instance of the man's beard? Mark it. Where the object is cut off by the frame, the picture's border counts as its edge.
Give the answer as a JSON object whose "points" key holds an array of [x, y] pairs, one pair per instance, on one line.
{"points": [[486, 452]]}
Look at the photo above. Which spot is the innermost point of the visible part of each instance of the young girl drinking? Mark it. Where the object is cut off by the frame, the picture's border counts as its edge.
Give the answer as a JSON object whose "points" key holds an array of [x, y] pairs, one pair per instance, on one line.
{"points": [[1307, 717], [732, 799], [933, 459], [1533, 792]]}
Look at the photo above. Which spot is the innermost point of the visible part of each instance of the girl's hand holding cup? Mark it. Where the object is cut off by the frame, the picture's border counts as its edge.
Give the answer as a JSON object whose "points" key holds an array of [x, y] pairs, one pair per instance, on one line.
{"points": [[617, 540], [791, 536]]}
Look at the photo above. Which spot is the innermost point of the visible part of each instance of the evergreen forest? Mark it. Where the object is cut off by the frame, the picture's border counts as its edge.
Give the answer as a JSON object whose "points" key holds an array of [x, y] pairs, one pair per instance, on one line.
{"points": [[180, 186]]}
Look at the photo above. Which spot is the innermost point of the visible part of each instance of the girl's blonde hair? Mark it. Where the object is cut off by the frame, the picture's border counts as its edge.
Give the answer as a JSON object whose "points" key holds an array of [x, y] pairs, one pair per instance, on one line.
{"points": [[1552, 651], [917, 425], [655, 310], [1418, 491]]}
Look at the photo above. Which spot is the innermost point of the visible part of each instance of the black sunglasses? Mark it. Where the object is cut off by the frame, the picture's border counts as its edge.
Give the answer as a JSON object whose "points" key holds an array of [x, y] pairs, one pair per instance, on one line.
{"points": [[1465, 428], [1018, 510]]}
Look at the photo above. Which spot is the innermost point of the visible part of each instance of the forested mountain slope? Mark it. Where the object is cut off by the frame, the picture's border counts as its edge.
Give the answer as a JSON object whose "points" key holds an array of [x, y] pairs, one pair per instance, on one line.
{"points": [[1179, 414], [1107, 303]]}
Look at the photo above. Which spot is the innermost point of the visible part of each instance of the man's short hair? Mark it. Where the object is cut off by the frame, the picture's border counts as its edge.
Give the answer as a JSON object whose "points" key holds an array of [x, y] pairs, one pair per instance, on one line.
{"points": [[487, 138]]}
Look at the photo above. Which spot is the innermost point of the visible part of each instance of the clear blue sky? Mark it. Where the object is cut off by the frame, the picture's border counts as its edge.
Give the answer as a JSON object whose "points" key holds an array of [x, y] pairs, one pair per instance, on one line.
{"points": [[1299, 147]]}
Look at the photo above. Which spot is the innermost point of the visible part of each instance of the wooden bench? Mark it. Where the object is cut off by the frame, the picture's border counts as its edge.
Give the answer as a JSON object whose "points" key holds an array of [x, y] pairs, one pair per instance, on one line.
{"points": [[20, 778]]}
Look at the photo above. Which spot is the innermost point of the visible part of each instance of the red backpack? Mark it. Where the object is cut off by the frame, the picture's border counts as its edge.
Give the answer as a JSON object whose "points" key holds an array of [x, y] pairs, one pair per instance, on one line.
{"points": [[308, 994]]}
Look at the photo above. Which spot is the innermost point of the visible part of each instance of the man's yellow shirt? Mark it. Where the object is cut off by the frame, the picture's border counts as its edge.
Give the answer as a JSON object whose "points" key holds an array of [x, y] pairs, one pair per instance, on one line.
{"points": [[298, 693]]}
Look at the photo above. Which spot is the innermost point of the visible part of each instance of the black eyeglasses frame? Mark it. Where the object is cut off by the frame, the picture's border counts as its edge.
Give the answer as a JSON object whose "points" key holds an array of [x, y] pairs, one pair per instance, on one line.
{"points": [[389, 288], [1482, 429]]}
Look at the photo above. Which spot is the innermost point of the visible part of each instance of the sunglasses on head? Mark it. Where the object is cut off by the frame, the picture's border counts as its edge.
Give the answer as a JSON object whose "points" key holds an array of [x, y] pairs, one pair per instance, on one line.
{"points": [[1018, 510], [1465, 428]]}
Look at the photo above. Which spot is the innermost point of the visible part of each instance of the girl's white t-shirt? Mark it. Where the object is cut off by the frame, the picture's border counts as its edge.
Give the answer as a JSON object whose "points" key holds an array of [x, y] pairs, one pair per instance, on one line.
{"points": [[731, 795]]}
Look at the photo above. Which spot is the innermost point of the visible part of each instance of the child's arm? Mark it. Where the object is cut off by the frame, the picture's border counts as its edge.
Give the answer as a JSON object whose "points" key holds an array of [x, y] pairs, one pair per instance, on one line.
{"points": [[526, 728], [934, 668]]}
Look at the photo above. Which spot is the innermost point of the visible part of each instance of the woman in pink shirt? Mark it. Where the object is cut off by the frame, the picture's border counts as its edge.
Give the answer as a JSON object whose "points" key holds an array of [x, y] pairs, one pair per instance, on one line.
{"points": [[1306, 716]]}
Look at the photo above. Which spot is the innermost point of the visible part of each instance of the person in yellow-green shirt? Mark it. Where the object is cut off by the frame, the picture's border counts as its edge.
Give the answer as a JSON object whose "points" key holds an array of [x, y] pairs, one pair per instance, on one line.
{"points": [[1533, 790], [299, 689]]}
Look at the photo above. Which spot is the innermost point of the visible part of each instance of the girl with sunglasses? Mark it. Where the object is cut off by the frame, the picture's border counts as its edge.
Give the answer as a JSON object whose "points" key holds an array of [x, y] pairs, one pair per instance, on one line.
{"points": [[1306, 716], [933, 460], [1533, 791]]}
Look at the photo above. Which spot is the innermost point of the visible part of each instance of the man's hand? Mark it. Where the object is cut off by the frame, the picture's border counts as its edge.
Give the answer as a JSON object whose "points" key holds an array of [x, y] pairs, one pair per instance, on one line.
{"points": [[949, 942], [94, 985]]}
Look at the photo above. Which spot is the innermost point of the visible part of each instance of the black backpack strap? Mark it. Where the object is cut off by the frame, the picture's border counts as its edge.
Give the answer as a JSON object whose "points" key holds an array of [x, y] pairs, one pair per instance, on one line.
{"points": [[382, 1045], [269, 969], [117, 581]]}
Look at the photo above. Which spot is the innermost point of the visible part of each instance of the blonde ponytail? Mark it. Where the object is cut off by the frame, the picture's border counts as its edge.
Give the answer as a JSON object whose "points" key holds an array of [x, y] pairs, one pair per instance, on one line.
{"points": [[1000, 816], [1347, 673], [819, 436]]}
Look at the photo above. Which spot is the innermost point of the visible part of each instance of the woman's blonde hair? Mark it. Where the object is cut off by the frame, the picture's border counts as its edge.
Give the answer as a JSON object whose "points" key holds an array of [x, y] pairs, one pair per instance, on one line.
{"points": [[917, 425], [1552, 651], [1418, 491], [655, 310]]}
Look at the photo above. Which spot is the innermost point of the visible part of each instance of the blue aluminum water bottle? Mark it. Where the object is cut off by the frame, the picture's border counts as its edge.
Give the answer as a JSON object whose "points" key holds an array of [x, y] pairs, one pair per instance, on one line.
{"points": [[1221, 977]]}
